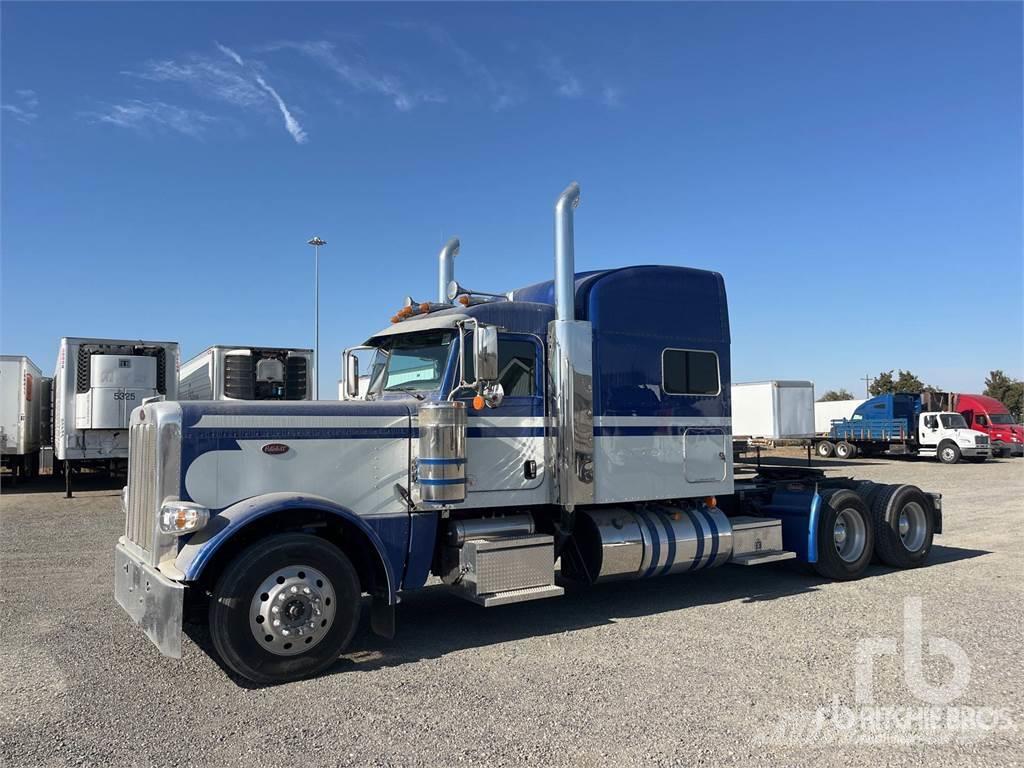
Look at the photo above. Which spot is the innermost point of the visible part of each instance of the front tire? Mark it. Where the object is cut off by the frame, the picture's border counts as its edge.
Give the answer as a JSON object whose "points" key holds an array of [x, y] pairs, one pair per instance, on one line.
{"points": [[949, 453], [285, 608], [904, 521], [845, 536]]}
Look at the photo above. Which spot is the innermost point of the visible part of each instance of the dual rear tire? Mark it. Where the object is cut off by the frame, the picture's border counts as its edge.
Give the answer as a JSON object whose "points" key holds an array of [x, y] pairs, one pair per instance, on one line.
{"points": [[895, 523]]}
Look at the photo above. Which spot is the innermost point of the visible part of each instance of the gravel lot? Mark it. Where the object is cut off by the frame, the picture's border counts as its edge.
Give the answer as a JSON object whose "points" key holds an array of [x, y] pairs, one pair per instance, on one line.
{"points": [[732, 666]]}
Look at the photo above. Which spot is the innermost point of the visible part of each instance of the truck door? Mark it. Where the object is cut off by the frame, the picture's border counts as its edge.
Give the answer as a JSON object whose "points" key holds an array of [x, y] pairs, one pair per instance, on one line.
{"points": [[928, 433], [506, 445]]}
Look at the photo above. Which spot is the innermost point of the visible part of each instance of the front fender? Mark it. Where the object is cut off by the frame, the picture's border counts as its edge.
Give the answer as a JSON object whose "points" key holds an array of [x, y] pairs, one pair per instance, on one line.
{"points": [[200, 548]]}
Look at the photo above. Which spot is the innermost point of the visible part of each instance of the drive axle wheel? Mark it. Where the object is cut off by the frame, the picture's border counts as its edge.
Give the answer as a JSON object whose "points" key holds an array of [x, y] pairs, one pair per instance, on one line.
{"points": [[845, 535], [845, 450], [285, 608], [904, 522]]}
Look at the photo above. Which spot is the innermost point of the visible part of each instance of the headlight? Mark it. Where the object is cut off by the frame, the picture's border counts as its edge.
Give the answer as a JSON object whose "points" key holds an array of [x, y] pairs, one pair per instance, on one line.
{"points": [[180, 517]]}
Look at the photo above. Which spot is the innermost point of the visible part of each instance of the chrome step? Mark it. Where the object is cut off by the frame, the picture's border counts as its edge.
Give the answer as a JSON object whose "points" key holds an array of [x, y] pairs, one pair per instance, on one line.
{"points": [[761, 558], [512, 596]]}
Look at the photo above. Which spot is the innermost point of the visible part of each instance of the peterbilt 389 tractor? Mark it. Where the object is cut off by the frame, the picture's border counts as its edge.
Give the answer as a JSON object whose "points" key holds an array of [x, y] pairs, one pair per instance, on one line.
{"points": [[582, 423]]}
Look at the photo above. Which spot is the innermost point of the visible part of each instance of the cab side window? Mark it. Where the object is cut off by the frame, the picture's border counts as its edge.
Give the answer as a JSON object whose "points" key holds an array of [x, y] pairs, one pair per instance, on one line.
{"points": [[931, 422], [981, 421], [517, 366]]}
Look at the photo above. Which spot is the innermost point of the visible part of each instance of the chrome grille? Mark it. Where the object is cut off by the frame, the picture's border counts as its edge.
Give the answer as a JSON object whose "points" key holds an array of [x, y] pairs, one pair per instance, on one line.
{"points": [[142, 485]]}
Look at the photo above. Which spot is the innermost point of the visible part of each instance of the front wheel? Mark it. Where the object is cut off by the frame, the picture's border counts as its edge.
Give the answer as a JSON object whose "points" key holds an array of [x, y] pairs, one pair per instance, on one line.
{"points": [[285, 608], [949, 453], [845, 536]]}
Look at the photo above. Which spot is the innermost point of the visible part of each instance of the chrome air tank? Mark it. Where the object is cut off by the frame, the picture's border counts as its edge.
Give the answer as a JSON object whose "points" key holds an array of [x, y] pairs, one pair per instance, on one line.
{"points": [[653, 540], [441, 466]]}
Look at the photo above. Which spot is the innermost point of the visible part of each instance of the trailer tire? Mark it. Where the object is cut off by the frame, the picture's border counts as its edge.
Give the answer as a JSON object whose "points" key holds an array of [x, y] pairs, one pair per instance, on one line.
{"points": [[298, 574], [948, 452], [845, 535], [825, 449], [845, 450], [904, 523]]}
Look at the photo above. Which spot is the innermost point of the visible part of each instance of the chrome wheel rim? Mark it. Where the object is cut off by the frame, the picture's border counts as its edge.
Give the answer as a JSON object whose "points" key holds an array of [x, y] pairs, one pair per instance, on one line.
{"points": [[913, 526], [292, 610], [948, 454], [849, 535]]}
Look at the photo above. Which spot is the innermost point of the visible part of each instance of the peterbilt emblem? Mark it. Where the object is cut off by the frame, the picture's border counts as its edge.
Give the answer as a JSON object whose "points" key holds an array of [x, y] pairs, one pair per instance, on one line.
{"points": [[275, 449]]}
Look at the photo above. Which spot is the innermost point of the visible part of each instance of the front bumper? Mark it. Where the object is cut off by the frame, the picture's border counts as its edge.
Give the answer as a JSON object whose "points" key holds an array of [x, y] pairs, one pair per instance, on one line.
{"points": [[152, 600], [976, 451], [1007, 449]]}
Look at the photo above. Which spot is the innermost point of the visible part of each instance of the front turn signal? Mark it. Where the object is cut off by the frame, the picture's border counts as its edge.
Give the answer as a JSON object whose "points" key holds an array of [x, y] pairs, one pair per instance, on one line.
{"points": [[180, 517]]}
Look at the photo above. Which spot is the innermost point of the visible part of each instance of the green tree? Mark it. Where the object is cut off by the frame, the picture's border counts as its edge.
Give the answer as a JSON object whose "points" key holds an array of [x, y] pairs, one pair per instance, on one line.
{"points": [[905, 381], [1008, 391], [835, 394]]}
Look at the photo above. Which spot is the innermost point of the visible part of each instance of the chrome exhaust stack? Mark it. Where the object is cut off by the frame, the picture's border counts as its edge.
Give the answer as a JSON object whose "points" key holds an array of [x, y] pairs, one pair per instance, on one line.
{"points": [[570, 348], [565, 253], [446, 269]]}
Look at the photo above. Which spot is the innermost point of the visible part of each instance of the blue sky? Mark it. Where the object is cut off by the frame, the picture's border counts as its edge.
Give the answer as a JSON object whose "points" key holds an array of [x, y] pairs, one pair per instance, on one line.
{"points": [[854, 170]]}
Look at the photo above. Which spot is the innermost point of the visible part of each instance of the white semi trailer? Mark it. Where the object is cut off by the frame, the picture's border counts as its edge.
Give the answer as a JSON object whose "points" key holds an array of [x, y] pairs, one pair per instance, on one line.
{"points": [[21, 409], [97, 385], [231, 372]]}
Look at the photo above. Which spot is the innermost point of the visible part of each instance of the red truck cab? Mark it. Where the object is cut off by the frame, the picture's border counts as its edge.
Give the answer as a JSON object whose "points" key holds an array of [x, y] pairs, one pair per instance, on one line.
{"points": [[988, 415]]}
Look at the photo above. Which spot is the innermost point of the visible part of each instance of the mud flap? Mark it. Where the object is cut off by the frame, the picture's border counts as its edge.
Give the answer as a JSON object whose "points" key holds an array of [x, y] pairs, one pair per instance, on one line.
{"points": [[382, 618]]}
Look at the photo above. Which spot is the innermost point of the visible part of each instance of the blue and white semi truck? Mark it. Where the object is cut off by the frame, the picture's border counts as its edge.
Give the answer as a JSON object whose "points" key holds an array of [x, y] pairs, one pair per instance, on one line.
{"points": [[583, 421]]}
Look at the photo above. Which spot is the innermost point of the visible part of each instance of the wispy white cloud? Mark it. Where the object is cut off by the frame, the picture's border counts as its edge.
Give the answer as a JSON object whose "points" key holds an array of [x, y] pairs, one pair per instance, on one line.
{"points": [[144, 116], [233, 82], [359, 76], [566, 83], [290, 123], [501, 93], [611, 96], [24, 107]]}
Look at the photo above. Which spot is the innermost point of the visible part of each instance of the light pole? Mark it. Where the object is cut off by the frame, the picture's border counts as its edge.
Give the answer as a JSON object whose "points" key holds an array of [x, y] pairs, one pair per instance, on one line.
{"points": [[316, 242]]}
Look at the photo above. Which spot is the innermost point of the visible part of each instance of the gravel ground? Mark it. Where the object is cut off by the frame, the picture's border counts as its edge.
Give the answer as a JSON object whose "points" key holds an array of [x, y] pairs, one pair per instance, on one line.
{"points": [[732, 666]]}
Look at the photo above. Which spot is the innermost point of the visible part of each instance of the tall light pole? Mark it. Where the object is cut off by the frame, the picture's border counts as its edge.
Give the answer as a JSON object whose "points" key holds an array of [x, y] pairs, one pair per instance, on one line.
{"points": [[316, 242]]}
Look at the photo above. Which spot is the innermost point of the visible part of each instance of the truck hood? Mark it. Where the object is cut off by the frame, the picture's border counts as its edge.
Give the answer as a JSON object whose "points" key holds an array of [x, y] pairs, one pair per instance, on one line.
{"points": [[193, 411]]}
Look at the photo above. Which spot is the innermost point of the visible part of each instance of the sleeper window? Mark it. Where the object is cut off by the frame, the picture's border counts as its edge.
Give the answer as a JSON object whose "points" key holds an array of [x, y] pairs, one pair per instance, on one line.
{"points": [[689, 372]]}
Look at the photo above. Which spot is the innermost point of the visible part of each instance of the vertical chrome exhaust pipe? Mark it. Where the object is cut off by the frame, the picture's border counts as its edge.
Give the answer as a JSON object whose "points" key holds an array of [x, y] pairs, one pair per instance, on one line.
{"points": [[446, 271], [565, 254]]}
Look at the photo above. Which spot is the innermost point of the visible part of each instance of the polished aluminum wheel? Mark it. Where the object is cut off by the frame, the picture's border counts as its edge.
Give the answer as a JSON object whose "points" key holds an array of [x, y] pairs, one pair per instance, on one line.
{"points": [[292, 610], [913, 525], [849, 535]]}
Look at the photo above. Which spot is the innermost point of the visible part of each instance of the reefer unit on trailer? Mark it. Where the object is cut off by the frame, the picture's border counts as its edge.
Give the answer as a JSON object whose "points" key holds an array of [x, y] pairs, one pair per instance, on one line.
{"points": [[827, 411], [583, 420], [21, 412], [97, 384], [225, 372], [773, 410]]}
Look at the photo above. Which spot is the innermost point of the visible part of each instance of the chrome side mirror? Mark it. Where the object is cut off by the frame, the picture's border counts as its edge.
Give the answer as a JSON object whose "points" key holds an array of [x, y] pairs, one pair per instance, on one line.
{"points": [[350, 373], [485, 353]]}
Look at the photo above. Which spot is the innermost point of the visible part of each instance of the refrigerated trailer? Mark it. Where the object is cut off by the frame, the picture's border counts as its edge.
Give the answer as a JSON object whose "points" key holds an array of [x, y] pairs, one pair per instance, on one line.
{"points": [[232, 372], [21, 412], [97, 384], [585, 419]]}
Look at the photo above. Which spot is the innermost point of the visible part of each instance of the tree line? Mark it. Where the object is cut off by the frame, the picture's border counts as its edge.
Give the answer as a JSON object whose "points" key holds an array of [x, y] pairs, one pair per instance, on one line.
{"points": [[1006, 389]]}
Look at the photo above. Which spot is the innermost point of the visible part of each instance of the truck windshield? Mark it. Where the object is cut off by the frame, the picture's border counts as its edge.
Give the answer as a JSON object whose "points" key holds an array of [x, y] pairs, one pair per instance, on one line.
{"points": [[411, 363], [1001, 418], [953, 421]]}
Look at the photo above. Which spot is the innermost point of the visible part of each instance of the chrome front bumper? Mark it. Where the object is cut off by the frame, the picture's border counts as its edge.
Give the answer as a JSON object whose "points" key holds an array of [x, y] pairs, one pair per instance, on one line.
{"points": [[152, 600]]}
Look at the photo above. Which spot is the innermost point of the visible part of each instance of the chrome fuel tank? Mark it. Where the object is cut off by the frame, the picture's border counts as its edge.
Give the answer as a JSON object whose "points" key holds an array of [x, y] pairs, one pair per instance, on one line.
{"points": [[655, 540]]}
